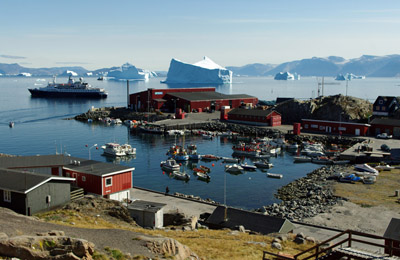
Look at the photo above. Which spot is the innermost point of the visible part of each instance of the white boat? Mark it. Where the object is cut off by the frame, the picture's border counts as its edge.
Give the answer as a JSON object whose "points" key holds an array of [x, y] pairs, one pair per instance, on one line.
{"points": [[248, 167], [113, 149], [366, 168], [170, 165], [128, 149], [11, 124], [384, 167], [263, 164], [192, 152], [180, 175], [233, 168], [230, 160], [369, 179], [202, 176], [175, 132], [301, 159], [274, 175]]}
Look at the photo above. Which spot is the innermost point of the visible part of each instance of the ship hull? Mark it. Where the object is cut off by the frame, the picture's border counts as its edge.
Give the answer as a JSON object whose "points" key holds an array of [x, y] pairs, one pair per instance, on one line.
{"points": [[51, 94]]}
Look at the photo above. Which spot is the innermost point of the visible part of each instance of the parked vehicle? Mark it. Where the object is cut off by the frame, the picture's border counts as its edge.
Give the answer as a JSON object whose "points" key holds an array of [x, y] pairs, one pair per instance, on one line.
{"points": [[384, 136]]}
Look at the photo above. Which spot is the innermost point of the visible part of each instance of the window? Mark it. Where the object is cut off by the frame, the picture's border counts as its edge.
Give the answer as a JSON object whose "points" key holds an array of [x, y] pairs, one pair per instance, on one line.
{"points": [[377, 108], [7, 195], [380, 102], [83, 178], [108, 181], [383, 108]]}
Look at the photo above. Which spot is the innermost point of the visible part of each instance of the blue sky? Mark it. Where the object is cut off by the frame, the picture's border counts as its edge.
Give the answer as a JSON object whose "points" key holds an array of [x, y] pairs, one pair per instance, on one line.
{"points": [[97, 34]]}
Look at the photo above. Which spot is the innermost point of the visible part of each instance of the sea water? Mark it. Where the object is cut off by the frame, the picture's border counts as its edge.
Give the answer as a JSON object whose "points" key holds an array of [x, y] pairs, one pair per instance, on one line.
{"points": [[41, 127]]}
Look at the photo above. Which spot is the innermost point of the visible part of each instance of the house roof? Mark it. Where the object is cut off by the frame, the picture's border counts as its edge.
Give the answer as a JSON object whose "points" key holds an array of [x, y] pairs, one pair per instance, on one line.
{"points": [[251, 112], [250, 220], [393, 230], [24, 182], [148, 206], [385, 121], [32, 161], [387, 100], [207, 96], [67, 162]]}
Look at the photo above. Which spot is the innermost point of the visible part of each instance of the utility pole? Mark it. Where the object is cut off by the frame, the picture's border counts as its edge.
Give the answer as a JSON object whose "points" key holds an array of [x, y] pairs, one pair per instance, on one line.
{"points": [[127, 93]]}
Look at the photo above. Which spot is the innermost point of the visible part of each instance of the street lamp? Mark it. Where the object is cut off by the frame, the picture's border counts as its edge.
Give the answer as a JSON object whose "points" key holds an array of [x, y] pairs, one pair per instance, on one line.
{"points": [[95, 145]]}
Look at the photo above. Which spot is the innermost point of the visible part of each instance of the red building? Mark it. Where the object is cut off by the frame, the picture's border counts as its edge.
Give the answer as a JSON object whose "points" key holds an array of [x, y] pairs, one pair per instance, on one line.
{"points": [[385, 125], [335, 127], [187, 99], [105, 179], [254, 116]]}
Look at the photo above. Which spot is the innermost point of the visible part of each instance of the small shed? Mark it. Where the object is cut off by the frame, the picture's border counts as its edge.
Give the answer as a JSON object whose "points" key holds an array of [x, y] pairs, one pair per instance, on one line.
{"points": [[147, 213], [392, 236], [225, 217], [255, 117]]}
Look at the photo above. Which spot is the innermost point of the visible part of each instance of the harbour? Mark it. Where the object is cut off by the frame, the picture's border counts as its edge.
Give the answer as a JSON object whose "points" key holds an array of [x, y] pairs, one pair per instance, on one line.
{"points": [[41, 128]]}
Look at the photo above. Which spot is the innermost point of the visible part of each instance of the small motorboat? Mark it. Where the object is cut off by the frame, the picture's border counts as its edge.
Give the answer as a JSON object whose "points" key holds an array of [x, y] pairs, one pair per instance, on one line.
{"points": [[263, 164], [202, 176], [384, 167], [248, 167], [170, 165], [181, 175], [274, 175], [369, 179], [301, 159], [210, 157], [366, 168], [205, 168], [350, 178], [321, 160], [233, 168], [230, 160], [11, 124]]}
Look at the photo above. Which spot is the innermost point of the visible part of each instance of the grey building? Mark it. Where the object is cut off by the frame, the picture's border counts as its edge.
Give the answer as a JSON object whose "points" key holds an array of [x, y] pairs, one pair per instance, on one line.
{"points": [[225, 217], [147, 213], [28, 193]]}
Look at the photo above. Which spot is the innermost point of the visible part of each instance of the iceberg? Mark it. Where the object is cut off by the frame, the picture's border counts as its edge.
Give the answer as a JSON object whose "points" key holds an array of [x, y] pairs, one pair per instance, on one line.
{"points": [[69, 73], [128, 71], [203, 72], [348, 76], [24, 74], [284, 76]]}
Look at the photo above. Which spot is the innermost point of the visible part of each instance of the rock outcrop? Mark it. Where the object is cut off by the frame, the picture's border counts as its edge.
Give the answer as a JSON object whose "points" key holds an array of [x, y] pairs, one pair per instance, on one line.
{"points": [[332, 108], [51, 245], [168, 247]]}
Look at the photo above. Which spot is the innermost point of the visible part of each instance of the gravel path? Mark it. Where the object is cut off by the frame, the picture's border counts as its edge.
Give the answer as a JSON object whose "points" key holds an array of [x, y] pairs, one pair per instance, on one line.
{"points": [[113, 238]]}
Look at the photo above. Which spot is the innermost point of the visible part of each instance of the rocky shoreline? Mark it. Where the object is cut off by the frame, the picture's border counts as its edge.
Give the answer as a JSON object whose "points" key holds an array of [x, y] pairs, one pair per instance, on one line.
{"points": [[307, 196]]}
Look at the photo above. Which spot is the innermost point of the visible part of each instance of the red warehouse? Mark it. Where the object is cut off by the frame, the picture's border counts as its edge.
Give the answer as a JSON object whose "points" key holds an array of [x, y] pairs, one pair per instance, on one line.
{"points": [[335, 127], [255, 116], [385, 125], [187, 99], [111, 181]]}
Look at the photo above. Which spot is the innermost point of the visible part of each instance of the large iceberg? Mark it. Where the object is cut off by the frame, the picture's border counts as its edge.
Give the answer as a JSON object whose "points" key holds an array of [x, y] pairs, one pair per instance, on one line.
{"points": [[203, 72], [128, 71]]}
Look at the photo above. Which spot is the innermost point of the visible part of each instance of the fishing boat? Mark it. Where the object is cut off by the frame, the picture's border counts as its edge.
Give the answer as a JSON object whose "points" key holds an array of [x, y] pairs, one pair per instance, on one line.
{"points": [[263, 164], [170, 165], [248, 167], [230, 160], [274, 175], [178, 153], [233, 168], [210, 157], [246, 149], [192, 152]]}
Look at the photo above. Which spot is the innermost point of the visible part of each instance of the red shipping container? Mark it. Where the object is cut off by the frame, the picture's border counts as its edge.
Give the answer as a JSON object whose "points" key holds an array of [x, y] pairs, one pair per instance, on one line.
{"points": [[296, 128]]}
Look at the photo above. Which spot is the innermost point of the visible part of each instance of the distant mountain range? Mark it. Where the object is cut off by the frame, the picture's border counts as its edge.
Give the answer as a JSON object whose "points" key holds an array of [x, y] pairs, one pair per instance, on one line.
{"points": [[366, 65]]}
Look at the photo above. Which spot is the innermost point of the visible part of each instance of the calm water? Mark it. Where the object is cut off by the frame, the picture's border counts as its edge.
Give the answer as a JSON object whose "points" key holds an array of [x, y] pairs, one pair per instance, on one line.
{"points": [[40, 128]]}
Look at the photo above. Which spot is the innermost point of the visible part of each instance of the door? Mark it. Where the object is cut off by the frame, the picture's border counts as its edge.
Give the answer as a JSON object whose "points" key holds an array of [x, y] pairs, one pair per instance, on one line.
{"points": [[396, 131], [357, 131], [328, 129]]}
